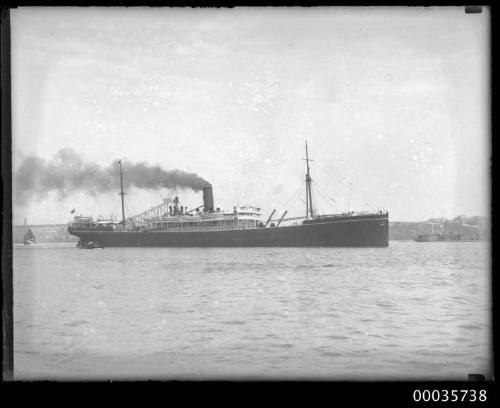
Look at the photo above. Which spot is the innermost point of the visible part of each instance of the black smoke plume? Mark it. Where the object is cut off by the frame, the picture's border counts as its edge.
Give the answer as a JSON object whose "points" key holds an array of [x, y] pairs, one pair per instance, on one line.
{"points": [[67, 173]]}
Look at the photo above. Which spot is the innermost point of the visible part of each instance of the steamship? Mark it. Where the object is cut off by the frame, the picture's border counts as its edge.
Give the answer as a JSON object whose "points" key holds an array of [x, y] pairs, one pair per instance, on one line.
{"points": [[171, 225]]}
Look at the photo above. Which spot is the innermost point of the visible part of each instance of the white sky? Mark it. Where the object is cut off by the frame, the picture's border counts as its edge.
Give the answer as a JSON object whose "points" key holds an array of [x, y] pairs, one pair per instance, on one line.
{"points": [[393, 100]]}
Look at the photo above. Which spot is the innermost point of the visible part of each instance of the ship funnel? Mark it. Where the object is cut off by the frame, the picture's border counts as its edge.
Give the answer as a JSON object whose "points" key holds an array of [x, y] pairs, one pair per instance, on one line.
{"points": [[208, 199]]}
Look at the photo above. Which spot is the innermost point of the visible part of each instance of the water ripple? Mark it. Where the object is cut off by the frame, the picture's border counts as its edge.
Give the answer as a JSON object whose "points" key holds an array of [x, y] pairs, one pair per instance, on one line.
{"points": [[337, 313]]}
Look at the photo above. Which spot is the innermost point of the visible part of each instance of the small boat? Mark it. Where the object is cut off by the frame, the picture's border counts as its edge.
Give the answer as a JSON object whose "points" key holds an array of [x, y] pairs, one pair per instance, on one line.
{"points": [[29, 238], [88, 245]]}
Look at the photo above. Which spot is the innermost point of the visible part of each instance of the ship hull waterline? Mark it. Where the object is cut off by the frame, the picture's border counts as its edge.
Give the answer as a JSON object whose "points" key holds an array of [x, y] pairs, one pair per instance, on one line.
{"points": [[365, 232]]}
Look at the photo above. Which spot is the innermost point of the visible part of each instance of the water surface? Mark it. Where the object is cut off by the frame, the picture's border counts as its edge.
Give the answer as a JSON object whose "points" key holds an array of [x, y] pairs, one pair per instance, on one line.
{"points": [[409, 311]]}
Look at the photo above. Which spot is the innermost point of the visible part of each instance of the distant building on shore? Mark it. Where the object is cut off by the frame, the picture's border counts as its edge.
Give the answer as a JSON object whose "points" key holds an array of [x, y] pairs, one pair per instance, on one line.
{"points": [[469, 228]]}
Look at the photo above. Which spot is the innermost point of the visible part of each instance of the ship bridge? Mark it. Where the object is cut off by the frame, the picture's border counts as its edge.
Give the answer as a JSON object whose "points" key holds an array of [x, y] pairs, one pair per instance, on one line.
{"points": [[247, 212]]}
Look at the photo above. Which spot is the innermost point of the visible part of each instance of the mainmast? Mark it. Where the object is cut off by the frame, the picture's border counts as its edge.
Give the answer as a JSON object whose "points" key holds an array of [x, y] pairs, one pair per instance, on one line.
{"points": [[121, 192], [309, 206]]}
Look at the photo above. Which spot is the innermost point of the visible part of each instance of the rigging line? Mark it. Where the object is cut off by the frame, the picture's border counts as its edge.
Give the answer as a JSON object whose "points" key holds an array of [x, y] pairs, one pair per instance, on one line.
{"points": [[357, 192], [300, 193], [116, 210], [322, 194], [341, 178], [329, 198], [293, 195], [127, 206], [336, 178], [318, 196], [361, 196], [326, 193], [134, 208], [130, 207], [314, 199], [293, 199]]}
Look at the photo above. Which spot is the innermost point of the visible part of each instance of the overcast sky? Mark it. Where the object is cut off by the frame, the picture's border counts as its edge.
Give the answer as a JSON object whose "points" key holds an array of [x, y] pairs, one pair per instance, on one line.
{"points": [[392, 100]]}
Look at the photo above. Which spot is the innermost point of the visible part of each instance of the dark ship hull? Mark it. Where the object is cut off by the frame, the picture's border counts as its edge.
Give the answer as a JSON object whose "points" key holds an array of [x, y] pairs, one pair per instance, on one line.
{"points": [[337, 231]]}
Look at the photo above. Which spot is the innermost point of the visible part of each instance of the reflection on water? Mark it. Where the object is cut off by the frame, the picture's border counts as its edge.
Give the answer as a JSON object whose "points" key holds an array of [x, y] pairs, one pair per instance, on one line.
{"points": [[410, 311]]}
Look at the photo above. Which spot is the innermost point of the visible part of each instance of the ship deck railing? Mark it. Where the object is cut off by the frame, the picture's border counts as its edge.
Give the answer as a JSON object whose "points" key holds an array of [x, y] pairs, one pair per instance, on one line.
{"points": [[165, 228], [338, 215], [204, 228], [351, 214]]}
